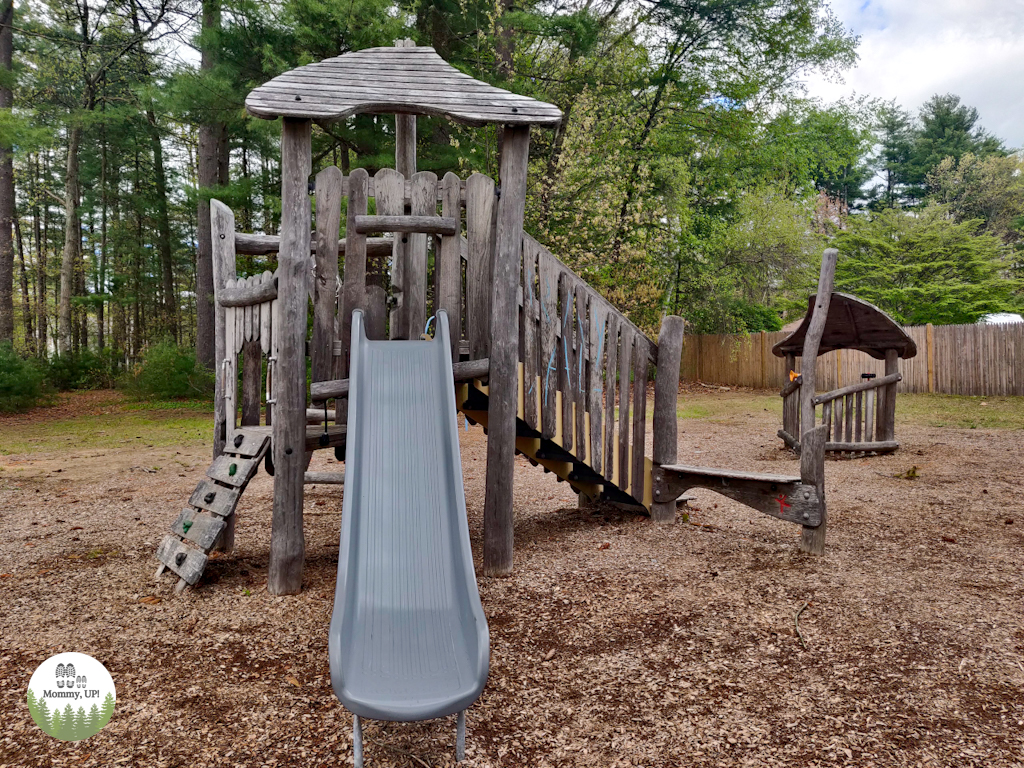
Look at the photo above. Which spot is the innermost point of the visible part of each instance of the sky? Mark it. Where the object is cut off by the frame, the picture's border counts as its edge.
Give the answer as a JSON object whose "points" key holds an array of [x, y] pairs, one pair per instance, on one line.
{"points": [[912, 49]]}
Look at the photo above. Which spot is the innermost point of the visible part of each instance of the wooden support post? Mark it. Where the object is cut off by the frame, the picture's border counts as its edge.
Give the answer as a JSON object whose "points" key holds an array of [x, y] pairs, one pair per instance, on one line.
{"points": [[287, 545], [222, 224], [666, 394], [812, 472], [405, 164], [813, 338], [325, 284], [501, 435]]}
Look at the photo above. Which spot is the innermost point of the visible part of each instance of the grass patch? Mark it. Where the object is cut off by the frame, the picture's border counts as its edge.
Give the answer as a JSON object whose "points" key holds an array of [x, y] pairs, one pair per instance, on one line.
{"points": [[118, 428], [960, 412]]}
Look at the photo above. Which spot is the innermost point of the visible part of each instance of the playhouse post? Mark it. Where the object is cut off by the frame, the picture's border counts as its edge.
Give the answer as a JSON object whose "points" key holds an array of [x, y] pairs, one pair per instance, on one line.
{"points": [[287, 545], [504, 353], [666, 394], [222, 226], [812, 339]]}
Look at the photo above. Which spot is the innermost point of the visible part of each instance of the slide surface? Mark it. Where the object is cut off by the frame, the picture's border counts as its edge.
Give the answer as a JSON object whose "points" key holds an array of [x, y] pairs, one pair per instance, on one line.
{"points": [[408, 637]]}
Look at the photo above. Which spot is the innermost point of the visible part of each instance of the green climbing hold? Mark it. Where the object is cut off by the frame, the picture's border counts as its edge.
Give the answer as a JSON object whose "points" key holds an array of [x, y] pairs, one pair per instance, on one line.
{"points": [[232, 469], [186, 525]]}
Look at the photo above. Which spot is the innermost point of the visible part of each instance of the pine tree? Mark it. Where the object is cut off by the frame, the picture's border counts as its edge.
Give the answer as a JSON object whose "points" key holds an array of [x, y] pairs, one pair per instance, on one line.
{"points": [[56, 724], [81, 724], [94, 720], [68, 724], [107, 712]]}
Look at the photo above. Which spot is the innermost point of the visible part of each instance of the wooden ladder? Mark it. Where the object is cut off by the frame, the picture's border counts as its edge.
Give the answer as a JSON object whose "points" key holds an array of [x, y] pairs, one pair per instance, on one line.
{"points": [[209, 523]]}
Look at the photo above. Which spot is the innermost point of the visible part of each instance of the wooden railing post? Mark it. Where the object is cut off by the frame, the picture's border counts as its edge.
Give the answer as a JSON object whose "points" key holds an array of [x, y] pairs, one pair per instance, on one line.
{"points": [[666, 394], [504, 353], [812, 472], [287, 544], [813, 338], [222, 225]]}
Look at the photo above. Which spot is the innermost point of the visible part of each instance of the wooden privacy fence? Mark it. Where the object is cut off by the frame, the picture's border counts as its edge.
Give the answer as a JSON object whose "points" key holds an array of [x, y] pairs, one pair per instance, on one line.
{"points": [[952, 359]]}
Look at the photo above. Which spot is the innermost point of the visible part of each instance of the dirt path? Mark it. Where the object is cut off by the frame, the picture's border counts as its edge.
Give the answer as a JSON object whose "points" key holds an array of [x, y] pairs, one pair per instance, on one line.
{"points": [[616, 642]]}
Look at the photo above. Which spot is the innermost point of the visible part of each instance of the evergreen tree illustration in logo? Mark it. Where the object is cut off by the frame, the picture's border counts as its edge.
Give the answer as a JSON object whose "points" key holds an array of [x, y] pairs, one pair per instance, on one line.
{"points": [[71, 696]]}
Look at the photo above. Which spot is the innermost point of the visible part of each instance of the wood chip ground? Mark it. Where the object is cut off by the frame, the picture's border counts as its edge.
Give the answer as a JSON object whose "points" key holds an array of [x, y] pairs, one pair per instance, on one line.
{"points": [[615, 643]]}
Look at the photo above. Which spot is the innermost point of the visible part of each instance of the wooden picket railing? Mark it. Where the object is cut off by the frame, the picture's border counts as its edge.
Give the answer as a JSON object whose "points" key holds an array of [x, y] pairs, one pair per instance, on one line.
{"points": [[859, 418], [585, 367], [585, 372]]}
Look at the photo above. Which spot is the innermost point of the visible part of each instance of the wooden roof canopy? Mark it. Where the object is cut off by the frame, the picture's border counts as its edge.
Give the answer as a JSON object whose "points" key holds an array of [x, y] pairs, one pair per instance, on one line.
{"points": [[851, 324], [407, 80]]}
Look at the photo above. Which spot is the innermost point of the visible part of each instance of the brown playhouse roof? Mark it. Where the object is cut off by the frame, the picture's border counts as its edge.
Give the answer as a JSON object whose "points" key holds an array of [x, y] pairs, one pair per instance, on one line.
{"points": [[851, 324], [412, 80]]}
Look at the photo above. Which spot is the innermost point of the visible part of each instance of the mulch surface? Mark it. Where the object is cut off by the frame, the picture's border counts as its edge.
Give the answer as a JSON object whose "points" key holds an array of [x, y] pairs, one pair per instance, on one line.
{"points": [[615, 643]]}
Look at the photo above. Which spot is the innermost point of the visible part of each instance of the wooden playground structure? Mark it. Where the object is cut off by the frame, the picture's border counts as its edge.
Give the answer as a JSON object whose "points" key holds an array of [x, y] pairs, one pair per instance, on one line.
{"points": [[859, 418], [540, 359]]}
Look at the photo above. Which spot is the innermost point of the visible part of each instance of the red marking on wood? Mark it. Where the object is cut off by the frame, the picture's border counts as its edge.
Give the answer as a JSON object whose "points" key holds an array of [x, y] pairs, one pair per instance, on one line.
{"points": [[782, 503]]}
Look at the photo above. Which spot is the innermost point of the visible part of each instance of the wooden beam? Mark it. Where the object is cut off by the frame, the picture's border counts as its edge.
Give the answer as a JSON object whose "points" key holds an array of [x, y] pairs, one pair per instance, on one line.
{"points": [[262, 245], [462, 371], [287, 544], [504, 354], [854, 388], [429, 225], [248, 294], [666, 395]]}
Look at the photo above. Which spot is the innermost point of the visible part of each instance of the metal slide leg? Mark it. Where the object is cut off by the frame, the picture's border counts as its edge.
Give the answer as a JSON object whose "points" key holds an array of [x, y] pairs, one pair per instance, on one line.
{"points": [[357, 742], [460, 739]]}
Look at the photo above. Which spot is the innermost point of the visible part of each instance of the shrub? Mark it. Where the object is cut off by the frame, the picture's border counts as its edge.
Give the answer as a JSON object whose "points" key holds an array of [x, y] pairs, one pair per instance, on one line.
{"points": [[84, 369], [168, 372], [21, 381]]}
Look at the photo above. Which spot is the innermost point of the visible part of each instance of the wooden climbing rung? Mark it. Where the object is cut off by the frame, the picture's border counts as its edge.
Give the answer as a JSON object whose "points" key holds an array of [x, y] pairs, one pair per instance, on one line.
{"points": [[199, 527], [216, 498], [179, 557], [233, 470], [247, 444]]}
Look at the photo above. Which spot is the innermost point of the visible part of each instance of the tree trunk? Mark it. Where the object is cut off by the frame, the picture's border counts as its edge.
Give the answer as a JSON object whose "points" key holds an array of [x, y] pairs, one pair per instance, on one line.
{"points": [[209, 174], [26, 306], [42, 243], [6, 185], [72, 243]]}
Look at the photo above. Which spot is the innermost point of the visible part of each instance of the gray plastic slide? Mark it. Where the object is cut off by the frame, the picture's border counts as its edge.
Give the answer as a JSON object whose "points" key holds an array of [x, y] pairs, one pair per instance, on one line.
{"points": [[408, 637]]}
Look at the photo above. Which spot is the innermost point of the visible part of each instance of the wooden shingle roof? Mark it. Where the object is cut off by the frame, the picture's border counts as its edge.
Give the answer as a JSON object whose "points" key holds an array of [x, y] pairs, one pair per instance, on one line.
{"points": [[851, 324], [413, 80]]}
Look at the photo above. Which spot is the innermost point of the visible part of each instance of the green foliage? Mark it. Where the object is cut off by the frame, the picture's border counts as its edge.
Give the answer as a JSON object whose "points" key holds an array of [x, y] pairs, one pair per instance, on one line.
{"points": [[924, 267], [21, 381], [82, 370], [169, 372]]}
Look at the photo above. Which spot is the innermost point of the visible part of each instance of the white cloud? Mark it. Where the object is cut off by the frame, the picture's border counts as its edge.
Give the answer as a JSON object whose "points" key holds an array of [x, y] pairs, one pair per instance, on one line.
{"points": [[911, 50]]}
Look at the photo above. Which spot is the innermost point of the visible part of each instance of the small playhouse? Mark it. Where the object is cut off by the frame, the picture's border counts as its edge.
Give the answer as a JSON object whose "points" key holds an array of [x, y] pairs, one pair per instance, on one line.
{"points": [[859, 418]]}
